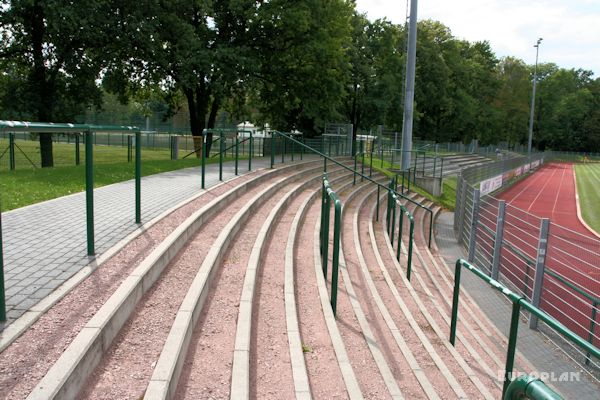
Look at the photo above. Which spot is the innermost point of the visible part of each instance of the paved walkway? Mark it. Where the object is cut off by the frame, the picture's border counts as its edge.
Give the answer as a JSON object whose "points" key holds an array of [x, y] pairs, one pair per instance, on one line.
{"points": [[45, 243], [541, 353]]}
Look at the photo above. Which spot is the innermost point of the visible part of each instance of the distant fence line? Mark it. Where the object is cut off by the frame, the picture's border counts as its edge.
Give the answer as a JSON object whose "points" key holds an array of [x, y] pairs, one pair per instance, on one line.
{"points": [[550, 265]]}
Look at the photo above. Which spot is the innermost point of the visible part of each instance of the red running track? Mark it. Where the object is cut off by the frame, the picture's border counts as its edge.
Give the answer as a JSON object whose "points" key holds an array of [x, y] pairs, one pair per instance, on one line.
{"points": [[573, 251]]}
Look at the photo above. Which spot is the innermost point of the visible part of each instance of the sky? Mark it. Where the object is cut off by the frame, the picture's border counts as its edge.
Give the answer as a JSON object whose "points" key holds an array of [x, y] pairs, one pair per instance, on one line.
{"points": [[570, 28]]}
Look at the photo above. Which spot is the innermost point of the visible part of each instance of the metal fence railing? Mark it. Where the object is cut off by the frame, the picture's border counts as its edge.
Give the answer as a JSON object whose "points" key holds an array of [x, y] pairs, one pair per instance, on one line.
{"points": [[553, 267]]}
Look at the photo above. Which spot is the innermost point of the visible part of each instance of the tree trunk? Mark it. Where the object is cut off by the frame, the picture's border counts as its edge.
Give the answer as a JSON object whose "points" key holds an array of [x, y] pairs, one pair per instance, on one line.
{"points": [[39, 79], [212, 118]]}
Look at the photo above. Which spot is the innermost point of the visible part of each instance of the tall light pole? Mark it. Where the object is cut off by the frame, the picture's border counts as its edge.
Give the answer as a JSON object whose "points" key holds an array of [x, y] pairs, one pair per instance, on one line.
{"points": [[531, 112], [409, 94]]}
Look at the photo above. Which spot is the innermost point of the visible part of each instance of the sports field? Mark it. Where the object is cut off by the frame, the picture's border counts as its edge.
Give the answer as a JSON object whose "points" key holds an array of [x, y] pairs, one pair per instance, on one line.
{"points": [[572, 278], [588, 188]]}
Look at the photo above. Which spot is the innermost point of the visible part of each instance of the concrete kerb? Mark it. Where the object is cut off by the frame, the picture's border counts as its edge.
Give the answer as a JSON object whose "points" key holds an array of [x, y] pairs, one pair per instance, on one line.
{"points": [[65, 377], [384, 369], [170, 363], [352, 386], [240, 375]]}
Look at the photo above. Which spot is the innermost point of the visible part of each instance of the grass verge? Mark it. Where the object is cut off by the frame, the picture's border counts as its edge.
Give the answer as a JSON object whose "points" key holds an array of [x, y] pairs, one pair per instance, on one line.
{"points": [[27, 185], [446, 200]]}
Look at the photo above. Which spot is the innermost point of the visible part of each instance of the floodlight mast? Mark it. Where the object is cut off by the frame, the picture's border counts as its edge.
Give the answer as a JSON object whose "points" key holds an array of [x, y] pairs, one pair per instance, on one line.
{"points": [[409, 95], [532, 110]]}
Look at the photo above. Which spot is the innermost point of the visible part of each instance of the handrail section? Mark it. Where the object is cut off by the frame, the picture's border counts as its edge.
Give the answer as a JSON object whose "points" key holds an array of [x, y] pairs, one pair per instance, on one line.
{"points": [[354, 171], [39, 127], [327, 197], [529, 387], [517, 302]]}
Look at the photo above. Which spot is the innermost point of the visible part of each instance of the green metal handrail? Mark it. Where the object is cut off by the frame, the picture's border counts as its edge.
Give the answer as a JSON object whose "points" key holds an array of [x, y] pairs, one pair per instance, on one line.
{"points": [[39, 127], [529, 387], [221, 139], [354, 171], [327, 197], [405, 212], [517, 303]]}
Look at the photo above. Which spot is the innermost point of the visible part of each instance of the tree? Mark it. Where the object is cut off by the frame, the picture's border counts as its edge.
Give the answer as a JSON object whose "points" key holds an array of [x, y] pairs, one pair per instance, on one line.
{"points": [[301, 61], [49, 53]]}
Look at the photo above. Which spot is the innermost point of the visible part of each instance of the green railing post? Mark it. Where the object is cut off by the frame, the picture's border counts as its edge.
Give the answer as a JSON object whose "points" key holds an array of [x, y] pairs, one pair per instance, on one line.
{"points": [[393, 228], [377, 211], [512, 344], [430, 228], [2, 292], [302, 150], [321, 236], [454, 316], [251, 150], [283, 147], [237, 143], [138, 178], [362, 166], [337, 228], [410, 246], [324, 164], [326, 234], [371, 162], [11, 151], [292, 151], [592, 326], [89, 192], [129, 146], [272, 149], [221, 139], [400, 228], [77, 151], [203, 159], [354, 179]]}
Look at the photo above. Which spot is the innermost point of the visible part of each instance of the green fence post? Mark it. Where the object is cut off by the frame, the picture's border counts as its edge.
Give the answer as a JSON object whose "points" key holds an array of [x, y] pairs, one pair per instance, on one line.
{"points": [[203, 158], [590, 336], [337, 227], [11, 151], [400, 228], [237, 143], [221, 139], [302, 149], [89, 191], [2, 293], [77, 151], [512, 344], [138, 177], [324, 164]]}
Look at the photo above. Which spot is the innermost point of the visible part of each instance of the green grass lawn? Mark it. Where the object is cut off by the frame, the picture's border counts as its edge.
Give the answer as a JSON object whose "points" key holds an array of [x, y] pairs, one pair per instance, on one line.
{"points": [[588, 177], [446, 200], [27, 185]]}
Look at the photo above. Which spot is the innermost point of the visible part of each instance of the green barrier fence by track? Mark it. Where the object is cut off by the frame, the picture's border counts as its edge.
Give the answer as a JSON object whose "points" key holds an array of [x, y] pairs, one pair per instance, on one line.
{"points": [[518, 302]]}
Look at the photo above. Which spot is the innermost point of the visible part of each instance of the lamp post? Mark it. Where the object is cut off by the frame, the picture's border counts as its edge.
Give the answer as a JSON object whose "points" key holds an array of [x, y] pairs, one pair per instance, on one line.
{"points": [[531, 112]]}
